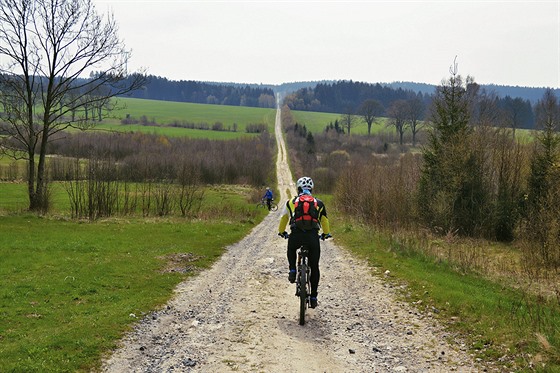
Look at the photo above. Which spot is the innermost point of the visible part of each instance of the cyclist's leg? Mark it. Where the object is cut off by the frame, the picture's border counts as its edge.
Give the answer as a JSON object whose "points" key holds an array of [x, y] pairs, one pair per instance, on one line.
{"points": [[314, 257], [293, 245], [294, 242]]}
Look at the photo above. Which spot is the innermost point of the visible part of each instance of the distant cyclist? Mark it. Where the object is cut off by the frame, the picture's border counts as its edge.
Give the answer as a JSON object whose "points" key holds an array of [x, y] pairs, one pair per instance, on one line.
{"points": [[268, 197], [306, 216]]}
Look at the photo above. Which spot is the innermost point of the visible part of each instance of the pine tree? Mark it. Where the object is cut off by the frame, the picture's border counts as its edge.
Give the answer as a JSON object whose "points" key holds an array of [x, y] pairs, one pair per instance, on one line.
{"points": [[543, 196], [451, 190]]}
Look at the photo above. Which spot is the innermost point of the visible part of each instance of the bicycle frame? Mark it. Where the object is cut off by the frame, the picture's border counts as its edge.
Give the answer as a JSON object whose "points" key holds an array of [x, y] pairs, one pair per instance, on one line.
{"points": [[263, 204], [303, 284]]}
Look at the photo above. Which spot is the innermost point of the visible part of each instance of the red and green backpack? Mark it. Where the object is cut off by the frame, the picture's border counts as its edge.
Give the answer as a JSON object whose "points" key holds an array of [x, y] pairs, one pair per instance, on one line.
{"points": [[306, 212]]}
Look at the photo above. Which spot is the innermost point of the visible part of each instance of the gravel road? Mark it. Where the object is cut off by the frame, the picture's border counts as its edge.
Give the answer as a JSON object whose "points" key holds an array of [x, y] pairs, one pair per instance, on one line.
{"points": [[242, 315]]}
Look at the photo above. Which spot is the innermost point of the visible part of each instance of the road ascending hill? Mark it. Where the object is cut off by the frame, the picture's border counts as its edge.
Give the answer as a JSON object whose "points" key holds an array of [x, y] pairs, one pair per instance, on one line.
{"points": [[242, 315]]}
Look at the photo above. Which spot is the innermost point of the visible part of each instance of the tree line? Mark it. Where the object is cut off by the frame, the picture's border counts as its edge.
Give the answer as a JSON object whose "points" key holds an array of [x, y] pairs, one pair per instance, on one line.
{"points": [[352, 98], [473, 178], [159, 88]]}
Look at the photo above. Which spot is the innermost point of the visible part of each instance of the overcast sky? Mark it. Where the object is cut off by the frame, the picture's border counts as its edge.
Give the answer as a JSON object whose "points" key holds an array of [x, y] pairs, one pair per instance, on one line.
{"points": [[274, 42]]}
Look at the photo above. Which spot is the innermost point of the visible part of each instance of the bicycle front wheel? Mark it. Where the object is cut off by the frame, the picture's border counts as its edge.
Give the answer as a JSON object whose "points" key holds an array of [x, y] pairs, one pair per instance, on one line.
{"points": [[273, 207], [302, 294]]}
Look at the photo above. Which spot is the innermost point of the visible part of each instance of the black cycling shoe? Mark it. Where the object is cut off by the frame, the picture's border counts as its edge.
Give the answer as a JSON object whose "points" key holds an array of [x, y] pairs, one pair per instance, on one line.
{"points": [[313, 302], [292, 276]]}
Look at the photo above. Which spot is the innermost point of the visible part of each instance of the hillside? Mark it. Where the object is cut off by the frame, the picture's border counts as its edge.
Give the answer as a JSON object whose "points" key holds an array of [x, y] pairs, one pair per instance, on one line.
{"points": [[533, 94], [215, 323], [261, 95]]}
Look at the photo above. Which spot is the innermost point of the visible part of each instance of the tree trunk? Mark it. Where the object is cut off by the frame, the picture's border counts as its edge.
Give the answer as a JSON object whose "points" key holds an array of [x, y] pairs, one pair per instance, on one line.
{"points": [[31, 183], [37, 184]]}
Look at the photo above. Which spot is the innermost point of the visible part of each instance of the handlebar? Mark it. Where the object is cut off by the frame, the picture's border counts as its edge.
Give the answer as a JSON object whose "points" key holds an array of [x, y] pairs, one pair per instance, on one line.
{"points": [[322, 236]]}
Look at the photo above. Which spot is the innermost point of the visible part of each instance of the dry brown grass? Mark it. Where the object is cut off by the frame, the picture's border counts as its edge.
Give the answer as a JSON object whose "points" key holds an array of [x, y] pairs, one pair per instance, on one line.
{"points": [[179, 262], [506, 264]]}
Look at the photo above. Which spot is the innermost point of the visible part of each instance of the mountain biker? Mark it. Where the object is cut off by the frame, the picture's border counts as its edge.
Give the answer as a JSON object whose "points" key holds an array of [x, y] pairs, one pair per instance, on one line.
{"points": [[268, 197], [299, 236]]}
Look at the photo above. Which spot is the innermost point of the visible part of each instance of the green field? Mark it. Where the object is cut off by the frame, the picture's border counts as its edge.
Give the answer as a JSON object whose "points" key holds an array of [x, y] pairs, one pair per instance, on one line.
{"points": [[316, 122], [173, 131], [14, 198], [70, 289], [164, 113]]}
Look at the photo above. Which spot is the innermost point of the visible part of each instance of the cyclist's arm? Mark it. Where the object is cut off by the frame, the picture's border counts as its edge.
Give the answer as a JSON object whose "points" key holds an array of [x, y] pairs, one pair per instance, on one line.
{"points": [[283, 223], [284, 220], [323, 219], [325, 225]]}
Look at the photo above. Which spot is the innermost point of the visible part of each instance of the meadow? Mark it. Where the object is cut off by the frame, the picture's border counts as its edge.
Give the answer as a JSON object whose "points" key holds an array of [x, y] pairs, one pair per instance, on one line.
{"points": [[316, 122], [71, 288], [167, 113], [14, 198], [90, 281], [164, 114]]}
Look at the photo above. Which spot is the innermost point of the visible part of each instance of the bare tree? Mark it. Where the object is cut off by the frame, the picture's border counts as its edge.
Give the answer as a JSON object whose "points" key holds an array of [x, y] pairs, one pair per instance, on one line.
{"points": [[370, 110], [398, 114], [348, 119], [50, 47], [484, 107], [514, 112], [415, 112]]}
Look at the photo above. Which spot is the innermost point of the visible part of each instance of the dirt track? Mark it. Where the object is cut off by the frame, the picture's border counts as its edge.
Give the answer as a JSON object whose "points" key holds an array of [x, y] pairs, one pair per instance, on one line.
{"points": [[242, 315]]}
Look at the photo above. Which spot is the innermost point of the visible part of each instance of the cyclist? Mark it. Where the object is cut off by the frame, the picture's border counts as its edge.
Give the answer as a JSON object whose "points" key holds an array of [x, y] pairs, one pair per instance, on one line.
{"points": [[268, 197], [305, 233]]}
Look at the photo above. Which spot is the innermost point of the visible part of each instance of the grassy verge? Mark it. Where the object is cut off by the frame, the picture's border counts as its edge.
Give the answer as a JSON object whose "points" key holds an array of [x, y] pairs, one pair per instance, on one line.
{"points": [[71, 289], [504, 327]]}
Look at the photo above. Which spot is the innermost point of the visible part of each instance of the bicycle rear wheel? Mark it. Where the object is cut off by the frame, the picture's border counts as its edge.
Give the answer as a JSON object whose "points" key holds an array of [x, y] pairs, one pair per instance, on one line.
{"points": [[302, 294]]}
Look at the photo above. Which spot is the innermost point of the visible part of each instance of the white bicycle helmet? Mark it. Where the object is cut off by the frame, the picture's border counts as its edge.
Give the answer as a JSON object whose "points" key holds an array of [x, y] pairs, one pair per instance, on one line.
{"points": [[305, 183]]}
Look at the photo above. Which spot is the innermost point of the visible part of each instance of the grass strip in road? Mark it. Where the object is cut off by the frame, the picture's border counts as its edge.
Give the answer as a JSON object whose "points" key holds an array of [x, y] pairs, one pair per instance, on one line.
{"points": [[504, 327], [71, 289]]}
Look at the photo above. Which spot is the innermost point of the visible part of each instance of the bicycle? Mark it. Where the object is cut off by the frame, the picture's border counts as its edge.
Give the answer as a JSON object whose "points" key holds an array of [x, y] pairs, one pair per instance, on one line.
{"points": [[303, 284], [264, 204]]}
